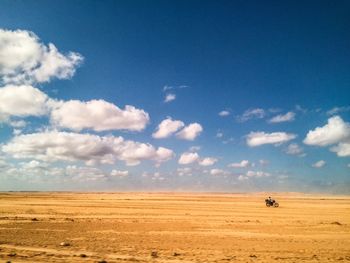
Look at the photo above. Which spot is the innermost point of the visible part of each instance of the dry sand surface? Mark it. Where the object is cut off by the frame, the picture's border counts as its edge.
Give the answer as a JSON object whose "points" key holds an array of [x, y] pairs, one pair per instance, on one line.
{"points": [[172, 227]]}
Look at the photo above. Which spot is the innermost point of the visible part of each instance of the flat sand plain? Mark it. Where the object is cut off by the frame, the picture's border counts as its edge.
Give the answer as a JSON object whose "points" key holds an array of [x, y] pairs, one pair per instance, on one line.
{"points": [[173, 227]]}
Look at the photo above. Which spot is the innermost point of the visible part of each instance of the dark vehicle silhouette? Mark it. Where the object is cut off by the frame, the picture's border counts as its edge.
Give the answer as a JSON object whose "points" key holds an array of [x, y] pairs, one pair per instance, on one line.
{"points": [[271, 202]]}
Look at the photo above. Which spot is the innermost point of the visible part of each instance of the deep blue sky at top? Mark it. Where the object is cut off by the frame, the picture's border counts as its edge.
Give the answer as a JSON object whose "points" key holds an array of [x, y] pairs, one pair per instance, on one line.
{"points": [[231, 54], [238, 54]]}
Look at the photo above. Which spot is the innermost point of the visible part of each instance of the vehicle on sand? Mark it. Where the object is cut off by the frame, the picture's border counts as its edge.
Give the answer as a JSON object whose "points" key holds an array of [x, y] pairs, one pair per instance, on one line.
{"points": [[271, 202]]}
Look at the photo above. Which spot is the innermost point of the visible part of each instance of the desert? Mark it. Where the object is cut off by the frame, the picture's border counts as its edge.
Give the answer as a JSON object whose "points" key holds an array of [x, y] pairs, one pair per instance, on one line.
{"points": [[173, 227]]}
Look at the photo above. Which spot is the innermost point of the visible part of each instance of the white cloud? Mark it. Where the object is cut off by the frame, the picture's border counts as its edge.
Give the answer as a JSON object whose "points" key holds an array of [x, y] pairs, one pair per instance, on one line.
{"points": [[98, 115], [242, 178], [190, 132], [337, 110], [342, 149], [184, 171], [118, 173], [22, 101], [24, 59], [319, 164], [167, 127], [264, 162], [224, 113], [188, 158], [208, 161], [294, 149], [18, 124], [242, 164], [251, 114], [257, 174], [259, 138], [289, 116], [336, 130], [170, 97], [217, 172], [219, 135], [194, 148], [54, 146]]}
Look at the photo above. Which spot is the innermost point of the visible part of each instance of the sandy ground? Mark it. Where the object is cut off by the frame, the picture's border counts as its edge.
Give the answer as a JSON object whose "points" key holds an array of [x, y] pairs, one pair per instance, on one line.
{"points": [[168, 227]]}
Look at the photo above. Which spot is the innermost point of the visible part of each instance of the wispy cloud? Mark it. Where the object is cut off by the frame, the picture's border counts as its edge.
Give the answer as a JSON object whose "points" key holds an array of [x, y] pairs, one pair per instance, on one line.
{"points": [[224, 113], [254, 139], [257, 113], [169, 97], [289, 116], [319, 164]]}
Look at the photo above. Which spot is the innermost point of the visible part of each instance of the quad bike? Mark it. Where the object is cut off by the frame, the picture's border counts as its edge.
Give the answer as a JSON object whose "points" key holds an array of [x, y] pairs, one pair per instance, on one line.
{"points": [[271, 203]]}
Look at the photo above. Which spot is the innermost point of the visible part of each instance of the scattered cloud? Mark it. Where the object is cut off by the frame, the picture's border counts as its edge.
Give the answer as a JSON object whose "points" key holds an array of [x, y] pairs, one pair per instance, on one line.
{"points": [[219, 134], [184, 171], [24, 59], [257, 113], [118, 173], [337, 110], [242, 178], [167, 127], [217, 172], [336, 130], [319, 164], [17, 124], [190, 132], [51, 146], [294, 149], [264, 162], [188, 158], [98, 115], [257, 174], [22, 101], [169, 97], [289, 116], [242, 164], [254, 139], [194, 148], [342, 149], [208, 161], [224, 113]]}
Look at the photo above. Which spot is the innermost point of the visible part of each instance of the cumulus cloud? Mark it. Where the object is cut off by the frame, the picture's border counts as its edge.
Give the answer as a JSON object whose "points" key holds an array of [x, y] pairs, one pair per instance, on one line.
{"points": [[22, 101], [336, 130], [252, 114], [319, 164], [170, 97], [185, 171], [54, 146], [242, 164], [289, 116], [167, 127], [118, 173], [224, 113], [254, 139], [190, 132], [208, 161], [217, 172], [188, 158], [257, 174], [294, 149], [98, 115], [342, 149], [24, 59]]}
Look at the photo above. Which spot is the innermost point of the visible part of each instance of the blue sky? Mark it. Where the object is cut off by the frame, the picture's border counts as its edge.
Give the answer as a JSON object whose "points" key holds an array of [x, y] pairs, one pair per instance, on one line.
{"points": [[223, 95]]}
